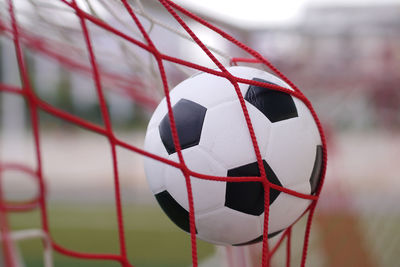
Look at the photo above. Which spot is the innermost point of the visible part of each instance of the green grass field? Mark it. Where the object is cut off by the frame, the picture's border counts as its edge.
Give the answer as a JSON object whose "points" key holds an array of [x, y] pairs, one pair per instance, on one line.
{"points": [[152, 240]]}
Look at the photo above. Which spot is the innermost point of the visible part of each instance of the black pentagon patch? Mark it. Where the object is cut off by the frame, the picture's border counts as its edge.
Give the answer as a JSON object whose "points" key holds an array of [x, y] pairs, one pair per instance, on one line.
{"points": [[174, 211], [317, 169], [256, 240], [259, 239], [189, 118], [248, 197], [275, 105]]}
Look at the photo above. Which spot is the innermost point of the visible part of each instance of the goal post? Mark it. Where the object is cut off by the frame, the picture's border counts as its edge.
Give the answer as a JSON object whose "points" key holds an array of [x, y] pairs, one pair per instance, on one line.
{"points": [[120, 47]]}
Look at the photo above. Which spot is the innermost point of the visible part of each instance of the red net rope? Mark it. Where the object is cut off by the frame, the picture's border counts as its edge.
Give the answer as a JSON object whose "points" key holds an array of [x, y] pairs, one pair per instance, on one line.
{"points": [[35, 104]]}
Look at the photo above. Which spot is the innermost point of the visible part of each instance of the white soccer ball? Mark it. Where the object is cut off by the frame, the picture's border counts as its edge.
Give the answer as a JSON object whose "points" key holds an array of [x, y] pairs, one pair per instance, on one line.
{"points": [[215, 141]]}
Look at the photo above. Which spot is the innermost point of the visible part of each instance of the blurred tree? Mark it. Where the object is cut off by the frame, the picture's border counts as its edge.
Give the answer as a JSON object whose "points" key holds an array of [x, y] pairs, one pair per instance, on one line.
{"points": [[63, 98]]}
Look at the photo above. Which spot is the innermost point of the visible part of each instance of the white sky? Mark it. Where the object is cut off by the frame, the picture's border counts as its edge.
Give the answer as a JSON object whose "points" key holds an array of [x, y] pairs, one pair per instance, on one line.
{"points": [[265, 12]]}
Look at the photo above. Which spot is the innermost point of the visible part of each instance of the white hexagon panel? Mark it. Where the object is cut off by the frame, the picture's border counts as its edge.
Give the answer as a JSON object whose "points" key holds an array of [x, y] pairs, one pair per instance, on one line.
{"points": [[225, 134], [207, 195], [221, 227]]}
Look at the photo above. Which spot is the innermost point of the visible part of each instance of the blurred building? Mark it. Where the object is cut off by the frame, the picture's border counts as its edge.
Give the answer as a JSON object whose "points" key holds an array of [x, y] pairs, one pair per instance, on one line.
{"points": [[346, 54], [333, 53]]}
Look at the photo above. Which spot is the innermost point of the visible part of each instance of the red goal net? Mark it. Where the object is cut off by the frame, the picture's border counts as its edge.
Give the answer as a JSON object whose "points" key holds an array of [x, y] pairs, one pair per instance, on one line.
{"points": [[120, 46]]}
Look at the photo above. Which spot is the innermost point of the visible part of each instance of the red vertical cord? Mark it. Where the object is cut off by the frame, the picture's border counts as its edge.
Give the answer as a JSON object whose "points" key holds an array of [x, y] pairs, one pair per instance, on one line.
{"points": [[32, 105], [183, 168], [307, 234], [174, 133], [110, 134], [288, 246], [265, 260], [4, 229], [167, 4]]}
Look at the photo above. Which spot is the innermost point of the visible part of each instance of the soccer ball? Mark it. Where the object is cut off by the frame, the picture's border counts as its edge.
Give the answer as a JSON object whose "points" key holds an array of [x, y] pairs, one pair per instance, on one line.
{"points": [[215, 140]]}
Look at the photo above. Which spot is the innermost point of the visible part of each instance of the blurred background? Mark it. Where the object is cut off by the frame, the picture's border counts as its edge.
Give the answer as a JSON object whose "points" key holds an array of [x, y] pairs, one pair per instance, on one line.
{"points": [[343, 55]]}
